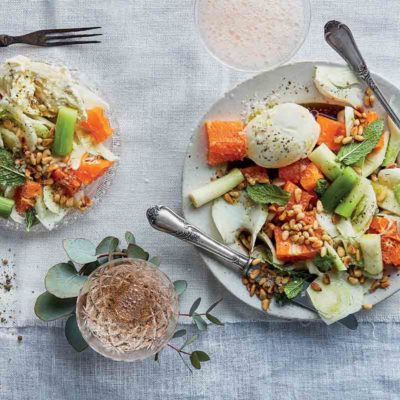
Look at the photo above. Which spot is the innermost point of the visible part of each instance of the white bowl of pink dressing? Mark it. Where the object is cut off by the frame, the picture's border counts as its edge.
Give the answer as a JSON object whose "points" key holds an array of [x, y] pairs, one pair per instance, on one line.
{"points": [[253, 35]]}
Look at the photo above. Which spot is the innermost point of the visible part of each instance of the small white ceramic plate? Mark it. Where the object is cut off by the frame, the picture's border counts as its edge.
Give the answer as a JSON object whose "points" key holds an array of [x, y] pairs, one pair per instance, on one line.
{"points": [[289, 83]]}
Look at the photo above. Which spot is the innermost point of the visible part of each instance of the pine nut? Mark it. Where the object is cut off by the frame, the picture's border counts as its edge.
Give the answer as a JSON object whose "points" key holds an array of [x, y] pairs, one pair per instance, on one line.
{"points": [[263, 294], [306, 235], [316, 245], [301, 240], [341, 252], [295, 238], [265, 304], [315, 225], [326, 279], [320, 207], [253, 289], [290, 213], [227, 197], [338, 139], [367, 101], [256, 261], [325, 237], [300, 216], [323, 251], [262, 281], [283, 216], [359, 138], [353, 281], [70, 202], [315, 286], [347, 140], [357, 273], [285, 235], [253, 274], [367, 306], [33, 159], [57, 197], [372, 99], [360, 130]]}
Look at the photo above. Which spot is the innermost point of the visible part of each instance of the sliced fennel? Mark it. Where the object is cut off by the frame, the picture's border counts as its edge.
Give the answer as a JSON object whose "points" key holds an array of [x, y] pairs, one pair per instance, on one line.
{"points": [[365, 210], [231, 219], [375, 159], [264, 237], [338, 84], [325, 221], [345, 228], [16, 217], [348, 119], [312, 269], [48, 200], [337, 261], [217, 188], [372, 254], [386, 198], [47, 218], [393, 148], [389, 177], [336, 300], [10, 140]]}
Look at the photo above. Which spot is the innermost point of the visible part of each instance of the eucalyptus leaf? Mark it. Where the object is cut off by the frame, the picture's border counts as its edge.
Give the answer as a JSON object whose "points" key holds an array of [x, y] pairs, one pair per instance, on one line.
{"points": [[213, 306], [50, 308], [200, 323], [213, 319], [88, 268], [202, 356], [195, 306], [155, 260], [63, 281], [73, 334], [130, 238], [189, 341], [107, 245], [194, 359], [81, 251], [180, 287], [180, 333], [135, 251]]}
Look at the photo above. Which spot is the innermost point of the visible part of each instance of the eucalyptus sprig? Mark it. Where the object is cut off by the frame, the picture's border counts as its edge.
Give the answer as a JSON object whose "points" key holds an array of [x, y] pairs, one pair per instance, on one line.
{"points": [[64, 281]]}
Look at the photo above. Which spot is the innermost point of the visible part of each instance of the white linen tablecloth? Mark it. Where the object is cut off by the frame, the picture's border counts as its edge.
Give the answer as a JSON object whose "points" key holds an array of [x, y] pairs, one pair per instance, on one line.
{"points": [[159, 81]]}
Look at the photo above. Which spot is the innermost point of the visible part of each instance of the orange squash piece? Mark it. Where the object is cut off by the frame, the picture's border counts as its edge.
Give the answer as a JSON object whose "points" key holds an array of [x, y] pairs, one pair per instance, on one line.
{"points": [[25, 195], [294, 172], [305, 200], [371, 117], [97, 125], [91, 168], [310, 177], [290, 252], [330, 129], [226, 141], [67, 181]]}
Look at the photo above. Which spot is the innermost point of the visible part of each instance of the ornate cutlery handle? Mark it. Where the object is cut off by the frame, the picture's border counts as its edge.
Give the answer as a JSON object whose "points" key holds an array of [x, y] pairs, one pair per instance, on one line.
{"points": [[340, 38], [165, 220]]}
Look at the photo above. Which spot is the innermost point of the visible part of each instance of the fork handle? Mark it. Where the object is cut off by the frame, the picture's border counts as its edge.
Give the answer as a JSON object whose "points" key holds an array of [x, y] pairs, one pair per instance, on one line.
{"points": [[340, 38], [6, 40], [164, 219]]}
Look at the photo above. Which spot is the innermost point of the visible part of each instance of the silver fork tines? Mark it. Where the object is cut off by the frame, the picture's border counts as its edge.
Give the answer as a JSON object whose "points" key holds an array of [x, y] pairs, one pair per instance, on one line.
{"points": [[51, 37]]}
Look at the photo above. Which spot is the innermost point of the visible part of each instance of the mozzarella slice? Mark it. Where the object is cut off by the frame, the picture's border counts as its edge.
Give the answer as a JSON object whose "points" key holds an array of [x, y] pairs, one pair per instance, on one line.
{"points": [[281, 135]]}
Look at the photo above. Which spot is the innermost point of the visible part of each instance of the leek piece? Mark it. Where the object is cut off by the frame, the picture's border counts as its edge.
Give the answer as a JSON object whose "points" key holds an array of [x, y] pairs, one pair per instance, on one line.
{"points": [[348, 205], [215, 189], [325, 160], [6, 206], [65, 128], [339, 189]]}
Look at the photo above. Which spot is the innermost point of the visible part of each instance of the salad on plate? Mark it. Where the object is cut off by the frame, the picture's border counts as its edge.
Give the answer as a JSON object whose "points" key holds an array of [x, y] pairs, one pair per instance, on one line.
{"points": [[312, 192], [53, 131]]}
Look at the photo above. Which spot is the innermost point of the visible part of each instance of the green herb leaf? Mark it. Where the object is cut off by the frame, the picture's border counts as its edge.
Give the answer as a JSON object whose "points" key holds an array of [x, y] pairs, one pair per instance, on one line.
{"points": [[350, 153], [73, 334], [130, 239], [180, 287], [320, 188], [202, 356], [213, 306], [200, 323], [194, 359], [81, 251], [135, 251], [324, 263], [293, 288], [189, 341], [281, 299], [213, 319], [155, 260], [50, 308], [9, 176], [195, 306], [268, 194], [30, 218], [107, 245], [63, 281], [180, 333]]}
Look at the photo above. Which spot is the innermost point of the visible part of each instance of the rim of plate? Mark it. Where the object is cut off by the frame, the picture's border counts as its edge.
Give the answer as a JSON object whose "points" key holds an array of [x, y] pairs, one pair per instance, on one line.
{"points": [[374, 298], [101, 187]]}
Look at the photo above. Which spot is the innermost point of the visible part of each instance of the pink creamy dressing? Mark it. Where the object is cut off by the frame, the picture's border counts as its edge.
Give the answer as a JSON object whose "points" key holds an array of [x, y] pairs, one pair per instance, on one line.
{"points": [[251, 34]]}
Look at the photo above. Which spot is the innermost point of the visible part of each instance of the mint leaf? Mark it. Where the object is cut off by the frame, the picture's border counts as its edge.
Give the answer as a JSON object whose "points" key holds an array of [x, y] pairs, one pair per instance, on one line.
{"points": [[325, 263], [268, 194], [30, 218], [294, 288], [9, 176], [351, 153], [322, 185]]}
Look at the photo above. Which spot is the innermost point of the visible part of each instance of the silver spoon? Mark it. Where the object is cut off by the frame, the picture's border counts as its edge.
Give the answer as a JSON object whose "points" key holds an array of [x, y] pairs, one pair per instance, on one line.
{"points": [[165, 220], [340, 38]]}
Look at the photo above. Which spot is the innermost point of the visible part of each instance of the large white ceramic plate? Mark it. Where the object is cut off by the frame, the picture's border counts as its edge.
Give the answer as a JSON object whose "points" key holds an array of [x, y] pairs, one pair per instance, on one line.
{"points": [[289, 83]]}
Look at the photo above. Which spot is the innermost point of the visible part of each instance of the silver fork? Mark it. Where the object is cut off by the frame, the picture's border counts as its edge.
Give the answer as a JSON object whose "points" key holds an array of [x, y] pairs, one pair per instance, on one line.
{"points": [[340, 38], [51, 37]]}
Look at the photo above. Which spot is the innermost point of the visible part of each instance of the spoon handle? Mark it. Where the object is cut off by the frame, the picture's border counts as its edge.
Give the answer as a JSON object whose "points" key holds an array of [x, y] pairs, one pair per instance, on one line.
{"points": [[340, 38], [165, 220]]}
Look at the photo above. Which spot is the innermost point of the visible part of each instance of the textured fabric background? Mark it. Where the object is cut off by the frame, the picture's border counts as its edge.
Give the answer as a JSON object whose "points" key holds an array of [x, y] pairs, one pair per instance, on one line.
{"points": [[160, 80]]}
